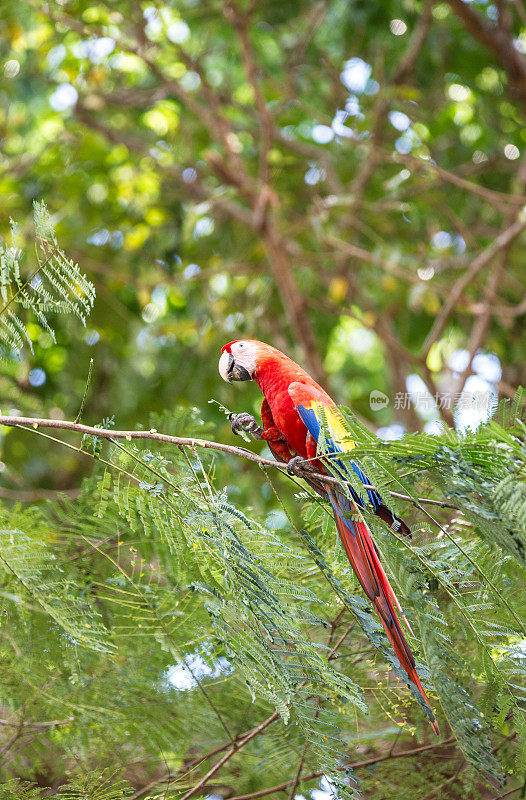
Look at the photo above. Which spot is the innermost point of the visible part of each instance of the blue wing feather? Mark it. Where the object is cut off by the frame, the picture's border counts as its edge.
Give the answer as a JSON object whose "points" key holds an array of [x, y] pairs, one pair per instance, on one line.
{"points": [[310, 418]]}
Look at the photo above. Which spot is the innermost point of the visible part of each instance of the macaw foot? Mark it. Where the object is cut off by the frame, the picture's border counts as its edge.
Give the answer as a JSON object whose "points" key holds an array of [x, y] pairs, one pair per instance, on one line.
{"points": [[299, 467], [245, 422]]}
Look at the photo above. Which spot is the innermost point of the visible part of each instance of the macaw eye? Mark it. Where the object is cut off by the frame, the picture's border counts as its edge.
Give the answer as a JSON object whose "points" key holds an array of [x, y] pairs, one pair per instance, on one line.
{"points": [[240, 346]]}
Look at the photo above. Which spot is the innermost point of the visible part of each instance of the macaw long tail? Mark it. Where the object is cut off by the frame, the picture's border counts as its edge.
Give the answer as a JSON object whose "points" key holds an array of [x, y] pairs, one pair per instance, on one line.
{"points": [[364, 560]]}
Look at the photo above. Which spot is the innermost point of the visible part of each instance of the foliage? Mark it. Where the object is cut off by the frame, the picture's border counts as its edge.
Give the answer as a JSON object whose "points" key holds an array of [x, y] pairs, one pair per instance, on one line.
{"points": [[56, 285], [153, 566]]}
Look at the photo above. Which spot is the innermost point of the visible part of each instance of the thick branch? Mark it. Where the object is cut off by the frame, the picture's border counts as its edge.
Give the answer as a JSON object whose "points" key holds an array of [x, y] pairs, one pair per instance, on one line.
{"points": [[192, 444]]}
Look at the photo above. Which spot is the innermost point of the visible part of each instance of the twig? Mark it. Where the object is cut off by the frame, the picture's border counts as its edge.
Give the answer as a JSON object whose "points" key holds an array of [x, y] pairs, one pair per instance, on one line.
{"points": [[395, 741], [498, 797], [189, 766], [295, 782], [418, 39], [236, 747], [240, 22], [180, 441], [88, 381], [440, 786], [358, 765], [10, 742], [382, 105], [340, 641], [47, 724], [500, 199], [354, 251], [335, 621], [502, 241], [499, 596], [482, 322], [169, 636], [506, 739], [239, 738], [498, 43]]}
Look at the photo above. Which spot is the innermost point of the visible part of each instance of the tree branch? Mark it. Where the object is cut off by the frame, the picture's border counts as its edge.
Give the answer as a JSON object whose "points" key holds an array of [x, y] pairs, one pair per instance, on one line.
{"points": [[333, 653], [501, 242], [357, 765], [240, 22], [382, 105], [482, 322], [501, 199], [36, 725], [239, 738], [237, 746], [188, 766], [192, 444], [34, 495], [499, 44], [499, 797]]}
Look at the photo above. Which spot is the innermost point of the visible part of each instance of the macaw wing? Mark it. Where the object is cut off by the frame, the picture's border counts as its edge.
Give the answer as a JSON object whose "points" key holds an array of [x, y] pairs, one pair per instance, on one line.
{"points": [[278, 447], [318, 412]]}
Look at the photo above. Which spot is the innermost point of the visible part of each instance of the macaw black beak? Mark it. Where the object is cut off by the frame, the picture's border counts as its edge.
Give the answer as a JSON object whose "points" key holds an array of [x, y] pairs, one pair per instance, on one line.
{"points": [[230, 371], [238, 373]]}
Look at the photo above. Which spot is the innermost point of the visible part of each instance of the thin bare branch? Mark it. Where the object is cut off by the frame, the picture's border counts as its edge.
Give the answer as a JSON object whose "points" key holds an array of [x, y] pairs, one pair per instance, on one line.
{"points": [[498, 42], [35, 495], [482, 322], [498, 797], [357, 765], [181, 441], [52, 723], [501, 199], [235, 749], [189, 765], [483, 259], [295, 783], [382, 104], [240, 22], [433, 792], [340, 641]]}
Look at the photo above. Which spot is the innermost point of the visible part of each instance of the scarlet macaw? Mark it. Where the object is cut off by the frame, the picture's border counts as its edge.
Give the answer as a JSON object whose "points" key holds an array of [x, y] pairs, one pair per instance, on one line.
{"points": [[292, 412]]}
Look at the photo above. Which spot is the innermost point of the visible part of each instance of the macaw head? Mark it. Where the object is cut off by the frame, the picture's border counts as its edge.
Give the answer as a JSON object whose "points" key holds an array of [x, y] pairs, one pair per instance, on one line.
{"points": [[251, 360], [239, 360]]}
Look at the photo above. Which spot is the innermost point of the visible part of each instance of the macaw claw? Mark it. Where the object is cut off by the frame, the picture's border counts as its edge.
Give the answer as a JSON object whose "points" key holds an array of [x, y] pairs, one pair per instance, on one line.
{"points": [[245, 422], [299, 467]]}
